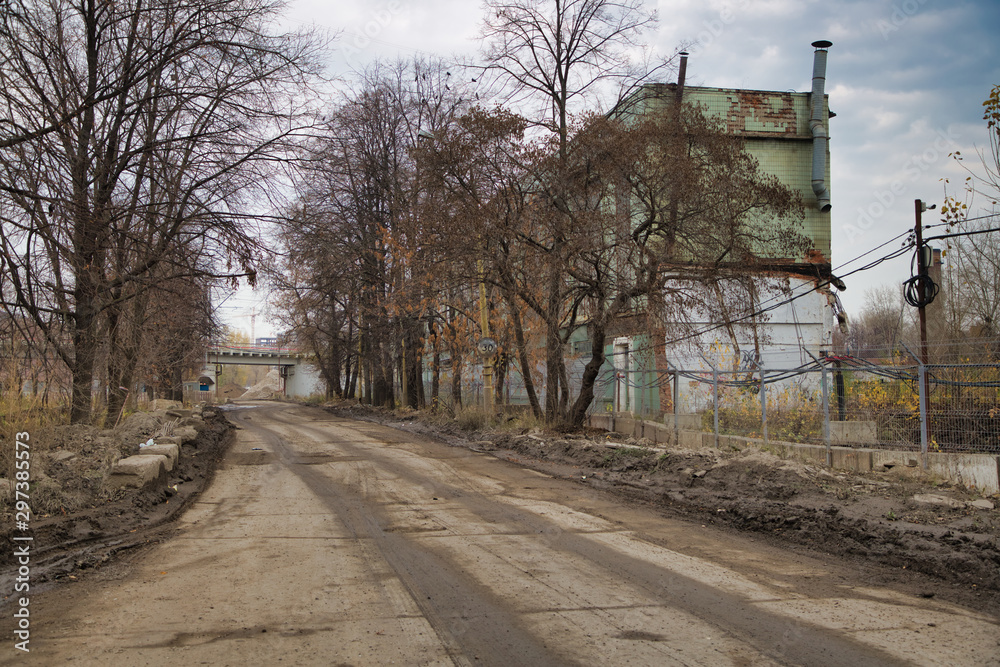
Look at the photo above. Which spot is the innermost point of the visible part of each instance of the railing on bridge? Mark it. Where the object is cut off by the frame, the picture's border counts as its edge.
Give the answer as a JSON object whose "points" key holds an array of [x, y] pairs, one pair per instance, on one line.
{"points": [[257, 350]]}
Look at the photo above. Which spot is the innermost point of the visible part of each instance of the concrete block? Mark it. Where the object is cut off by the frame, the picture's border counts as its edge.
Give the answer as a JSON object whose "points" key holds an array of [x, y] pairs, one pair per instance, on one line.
{"points": [[601, 421], [853, 433], [691, 440], [141, 471], [814, 454], [978, 471], [858, 460], [186, 434], [687, 422], [179, 414], [170, 450]]}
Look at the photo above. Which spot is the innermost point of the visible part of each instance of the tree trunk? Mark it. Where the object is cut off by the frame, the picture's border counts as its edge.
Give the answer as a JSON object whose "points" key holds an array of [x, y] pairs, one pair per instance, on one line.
{"points": [[435, 368], [499, 377], [578, 414], [553, 355], [85, 347], [522, 357], [456, 380]]}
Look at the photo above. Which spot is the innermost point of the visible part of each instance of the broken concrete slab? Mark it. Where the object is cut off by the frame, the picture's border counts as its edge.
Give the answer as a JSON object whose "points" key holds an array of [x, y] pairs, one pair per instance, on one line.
{"points": [[141, 471], [937, 500], [170, 450], [186, 434], [981, 504], [62, 455], [164, 404]]}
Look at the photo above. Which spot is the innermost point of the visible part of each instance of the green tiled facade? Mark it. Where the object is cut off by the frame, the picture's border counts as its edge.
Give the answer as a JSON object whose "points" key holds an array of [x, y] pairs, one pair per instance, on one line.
{"points": [[775, 125]]}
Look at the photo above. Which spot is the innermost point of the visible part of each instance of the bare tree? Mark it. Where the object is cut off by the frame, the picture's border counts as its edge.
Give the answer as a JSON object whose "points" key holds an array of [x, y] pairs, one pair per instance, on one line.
{"points": [[358, 203], [878, 329], [974, 275], [183, 113], [565, 53]]}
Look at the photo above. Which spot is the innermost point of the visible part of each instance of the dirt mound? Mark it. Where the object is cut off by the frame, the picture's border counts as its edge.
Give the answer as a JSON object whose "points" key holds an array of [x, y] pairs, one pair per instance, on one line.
{"points": [[79, 523], [231, 390], [269, 387]]}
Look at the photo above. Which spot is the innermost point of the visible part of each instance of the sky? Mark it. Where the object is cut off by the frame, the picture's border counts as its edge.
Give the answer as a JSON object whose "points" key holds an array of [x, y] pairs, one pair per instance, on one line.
{"points": [[906, 79]]}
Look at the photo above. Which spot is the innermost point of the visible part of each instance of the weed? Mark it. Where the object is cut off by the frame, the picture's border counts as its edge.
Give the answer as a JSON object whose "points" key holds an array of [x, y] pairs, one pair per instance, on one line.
{"points": [[636, 452], [473, 419], [619, 454]]}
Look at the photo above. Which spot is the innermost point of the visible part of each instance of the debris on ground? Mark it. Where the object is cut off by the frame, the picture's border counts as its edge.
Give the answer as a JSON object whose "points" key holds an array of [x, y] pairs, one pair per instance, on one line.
{"points": [[82, 513]]}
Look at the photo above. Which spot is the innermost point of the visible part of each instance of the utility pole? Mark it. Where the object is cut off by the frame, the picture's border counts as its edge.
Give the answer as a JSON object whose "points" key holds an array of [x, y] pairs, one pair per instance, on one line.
{"points": [[488, 349], [923, 269], [924, 290]]}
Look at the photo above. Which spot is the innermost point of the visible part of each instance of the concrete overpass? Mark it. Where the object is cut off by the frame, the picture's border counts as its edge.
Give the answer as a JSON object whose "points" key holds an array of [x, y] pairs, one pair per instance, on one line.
{"points": [[298, 373]]}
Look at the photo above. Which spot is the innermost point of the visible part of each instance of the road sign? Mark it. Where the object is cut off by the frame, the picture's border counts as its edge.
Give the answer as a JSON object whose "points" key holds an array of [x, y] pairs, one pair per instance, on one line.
{"points": [[487, 348]]}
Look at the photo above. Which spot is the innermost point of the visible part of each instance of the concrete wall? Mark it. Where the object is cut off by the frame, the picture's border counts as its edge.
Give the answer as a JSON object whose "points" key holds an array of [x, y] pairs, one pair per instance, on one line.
{"points": [[303, 381], [978, 471]]}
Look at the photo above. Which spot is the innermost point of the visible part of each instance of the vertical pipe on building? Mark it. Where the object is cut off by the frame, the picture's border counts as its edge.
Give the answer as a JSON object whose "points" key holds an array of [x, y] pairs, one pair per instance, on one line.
{"points": [[681, 75], [816, 126]]}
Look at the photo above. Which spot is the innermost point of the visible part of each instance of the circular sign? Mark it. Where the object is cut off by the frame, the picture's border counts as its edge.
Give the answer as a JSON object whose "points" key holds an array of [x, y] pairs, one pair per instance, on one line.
{"points": [[487, 347]]}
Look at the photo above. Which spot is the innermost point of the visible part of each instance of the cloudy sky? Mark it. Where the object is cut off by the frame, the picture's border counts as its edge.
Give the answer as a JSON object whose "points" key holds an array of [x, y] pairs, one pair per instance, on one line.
{"points": [[906, 79]]}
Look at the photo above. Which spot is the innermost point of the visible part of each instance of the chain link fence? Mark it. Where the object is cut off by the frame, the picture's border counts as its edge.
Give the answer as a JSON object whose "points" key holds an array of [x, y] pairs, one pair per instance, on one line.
{"points": [[846, 401]]}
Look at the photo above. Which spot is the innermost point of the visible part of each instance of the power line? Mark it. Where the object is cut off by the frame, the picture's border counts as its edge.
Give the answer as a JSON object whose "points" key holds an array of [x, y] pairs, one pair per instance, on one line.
{"points": [[763, 310]]}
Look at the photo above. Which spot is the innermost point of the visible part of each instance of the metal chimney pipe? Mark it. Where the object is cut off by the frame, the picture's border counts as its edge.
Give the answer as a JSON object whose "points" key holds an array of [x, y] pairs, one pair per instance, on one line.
{"points": [[681, 75], [816, 126]]}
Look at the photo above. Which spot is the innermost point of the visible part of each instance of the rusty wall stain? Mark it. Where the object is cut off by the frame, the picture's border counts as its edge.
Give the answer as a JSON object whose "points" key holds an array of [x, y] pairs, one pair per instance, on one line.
{"points": [[758, 106]]}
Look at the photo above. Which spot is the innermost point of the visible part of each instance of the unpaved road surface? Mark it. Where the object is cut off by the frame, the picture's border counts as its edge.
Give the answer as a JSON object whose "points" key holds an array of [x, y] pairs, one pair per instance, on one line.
{"points": [[325, 541]]}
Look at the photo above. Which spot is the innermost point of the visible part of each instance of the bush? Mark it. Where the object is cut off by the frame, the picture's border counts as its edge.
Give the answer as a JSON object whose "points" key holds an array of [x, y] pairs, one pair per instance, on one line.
{"points": [[473, 419]]}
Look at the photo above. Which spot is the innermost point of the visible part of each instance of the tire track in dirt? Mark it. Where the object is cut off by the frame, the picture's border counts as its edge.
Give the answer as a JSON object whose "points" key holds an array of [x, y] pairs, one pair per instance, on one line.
{"points": [[424, 571]]}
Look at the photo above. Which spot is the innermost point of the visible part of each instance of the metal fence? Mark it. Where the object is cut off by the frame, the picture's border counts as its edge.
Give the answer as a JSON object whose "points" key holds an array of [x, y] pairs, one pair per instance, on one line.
{"points": [[884, 400], [851, 402]]}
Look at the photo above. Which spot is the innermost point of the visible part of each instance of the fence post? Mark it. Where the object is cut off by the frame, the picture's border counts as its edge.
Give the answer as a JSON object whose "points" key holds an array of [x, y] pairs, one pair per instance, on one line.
{"points": [[677, 395], [715, 404], [715, 400], [922, 390], [763, 401], [826, 417], [923, 400]]}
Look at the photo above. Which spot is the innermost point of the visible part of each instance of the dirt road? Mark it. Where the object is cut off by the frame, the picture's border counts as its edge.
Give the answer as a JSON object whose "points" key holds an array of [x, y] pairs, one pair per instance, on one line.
{"points": [[326, 541]]}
